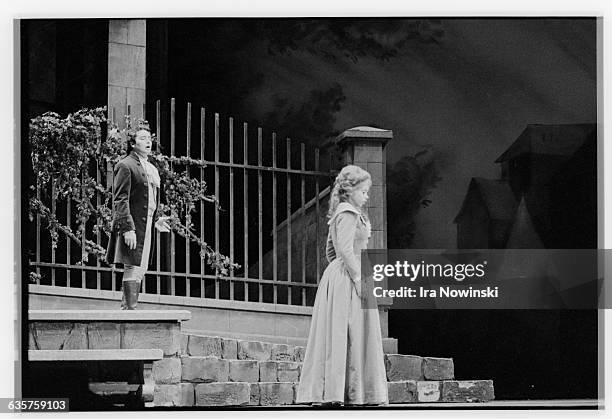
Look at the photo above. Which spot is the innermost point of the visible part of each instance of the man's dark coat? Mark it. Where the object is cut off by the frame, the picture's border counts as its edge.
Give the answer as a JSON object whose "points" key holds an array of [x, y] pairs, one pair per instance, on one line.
{"points": [[131, 199]]}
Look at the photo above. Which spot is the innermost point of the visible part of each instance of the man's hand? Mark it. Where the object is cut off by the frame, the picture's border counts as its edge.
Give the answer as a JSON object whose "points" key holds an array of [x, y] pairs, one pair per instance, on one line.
{"points": [[130, 239], [162, 226]]}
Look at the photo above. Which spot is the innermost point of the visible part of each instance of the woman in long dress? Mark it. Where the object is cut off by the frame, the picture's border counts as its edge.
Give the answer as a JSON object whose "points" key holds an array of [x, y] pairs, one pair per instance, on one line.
{"points": [[344, 361]]}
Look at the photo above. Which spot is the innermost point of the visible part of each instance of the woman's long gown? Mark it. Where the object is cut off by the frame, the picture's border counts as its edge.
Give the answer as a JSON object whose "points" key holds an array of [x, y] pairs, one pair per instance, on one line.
{"points": [[344, 359]]}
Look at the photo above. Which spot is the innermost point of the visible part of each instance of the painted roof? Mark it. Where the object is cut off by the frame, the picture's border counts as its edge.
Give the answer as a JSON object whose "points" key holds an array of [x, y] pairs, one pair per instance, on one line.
{"points": [[523, 234], [497, 196], [561, 140]]}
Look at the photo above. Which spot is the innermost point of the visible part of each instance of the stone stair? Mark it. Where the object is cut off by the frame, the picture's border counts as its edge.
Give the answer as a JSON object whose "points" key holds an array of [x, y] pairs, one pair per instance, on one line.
{"points": [[221, 371]]}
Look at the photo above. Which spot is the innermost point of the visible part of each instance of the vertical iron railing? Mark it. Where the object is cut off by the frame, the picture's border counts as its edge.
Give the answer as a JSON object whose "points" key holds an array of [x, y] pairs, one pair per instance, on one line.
{"points": [[188, 216], [172, 235], [245, 200], [157, 233]]}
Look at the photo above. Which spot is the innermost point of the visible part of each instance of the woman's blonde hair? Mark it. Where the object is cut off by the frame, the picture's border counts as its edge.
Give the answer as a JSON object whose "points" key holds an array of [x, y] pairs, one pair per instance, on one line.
{"points": [[349, 178]]}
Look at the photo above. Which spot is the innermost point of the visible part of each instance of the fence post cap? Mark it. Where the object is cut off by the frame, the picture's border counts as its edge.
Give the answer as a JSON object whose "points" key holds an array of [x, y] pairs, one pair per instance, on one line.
{"points": [[363, 132]]}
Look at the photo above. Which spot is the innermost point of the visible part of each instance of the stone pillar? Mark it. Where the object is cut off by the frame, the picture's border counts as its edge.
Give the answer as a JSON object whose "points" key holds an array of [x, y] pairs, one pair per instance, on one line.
{"points": [[126, 67], [366, 147], [127, 59]]}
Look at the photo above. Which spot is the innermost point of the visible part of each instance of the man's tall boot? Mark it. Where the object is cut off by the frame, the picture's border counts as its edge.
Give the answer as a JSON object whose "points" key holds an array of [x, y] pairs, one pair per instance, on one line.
{"points": [[129, 298], [124, 291]]}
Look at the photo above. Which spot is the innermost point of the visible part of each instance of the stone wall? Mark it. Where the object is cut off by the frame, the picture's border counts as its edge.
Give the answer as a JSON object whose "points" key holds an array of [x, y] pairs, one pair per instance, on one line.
{"points": [[246, 320]]}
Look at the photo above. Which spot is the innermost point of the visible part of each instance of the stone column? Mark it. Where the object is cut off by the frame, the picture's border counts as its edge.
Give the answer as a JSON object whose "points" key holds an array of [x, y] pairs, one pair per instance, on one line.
{"points": [[366, 147], [127, 59], [126, 67]]}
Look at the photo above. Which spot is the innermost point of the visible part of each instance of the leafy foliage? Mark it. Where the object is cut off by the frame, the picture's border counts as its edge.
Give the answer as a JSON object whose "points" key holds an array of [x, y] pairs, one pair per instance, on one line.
{"points": [[63, 150], [351, 38], [229, 67], [314, 119]]}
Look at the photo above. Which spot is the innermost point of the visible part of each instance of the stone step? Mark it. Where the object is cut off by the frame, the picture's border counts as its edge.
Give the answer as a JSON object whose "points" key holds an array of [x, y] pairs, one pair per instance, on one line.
{"points": [[209, 369], [225, 394], [445, 391], [214, 381], [399, 367], [412, 367], [224, 371], [106, 329], [229, 348], [214, 369], [283, 393]]}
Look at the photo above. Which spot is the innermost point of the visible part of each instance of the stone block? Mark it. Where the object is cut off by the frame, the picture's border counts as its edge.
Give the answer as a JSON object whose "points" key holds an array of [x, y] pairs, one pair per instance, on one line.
{"points": [[383, 314], [346, 156], [117, 102], [376, 172], [428, 391], [376, 215], [377, 240], [289, 372], [376, 197], [31, 340], [167, 371], [204, 369], [300, 353], [438, 368], [184, 343], [402, 391], [135, 98], [137, 32], [254, 396], [370, 152], [389, 345], [268, 371], [403, 367], [48, 335], [164, 336], [126, 65], [274, 394], [468, 391], [118, 30], [205, 346], [103, 335], [222, 394], [59, 335], [230, 348], [281, 352], [261, 351], [181, 394], [243, 370]]}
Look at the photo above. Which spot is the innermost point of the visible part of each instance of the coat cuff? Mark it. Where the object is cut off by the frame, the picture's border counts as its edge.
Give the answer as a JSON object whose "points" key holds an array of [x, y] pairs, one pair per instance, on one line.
{"points": [[125, 224]]}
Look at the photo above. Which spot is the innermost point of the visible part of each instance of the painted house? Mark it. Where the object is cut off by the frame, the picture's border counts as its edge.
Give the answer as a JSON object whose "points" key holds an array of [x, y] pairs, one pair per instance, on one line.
{"points": [[486, 214], [551, 170]]}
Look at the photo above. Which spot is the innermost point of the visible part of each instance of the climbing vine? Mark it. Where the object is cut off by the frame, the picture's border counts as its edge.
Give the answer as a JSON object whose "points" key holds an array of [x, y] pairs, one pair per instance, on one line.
{"points": [[64, 150]]}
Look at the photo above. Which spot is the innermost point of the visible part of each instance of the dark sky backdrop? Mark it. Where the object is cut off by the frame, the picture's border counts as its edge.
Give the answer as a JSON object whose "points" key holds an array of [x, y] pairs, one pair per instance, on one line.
{"points": [[465, 100]]}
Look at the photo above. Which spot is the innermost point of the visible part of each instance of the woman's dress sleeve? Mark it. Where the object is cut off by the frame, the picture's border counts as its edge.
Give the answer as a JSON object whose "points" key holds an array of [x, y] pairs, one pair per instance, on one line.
{"points": [[346, 225], [330, 252]]}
